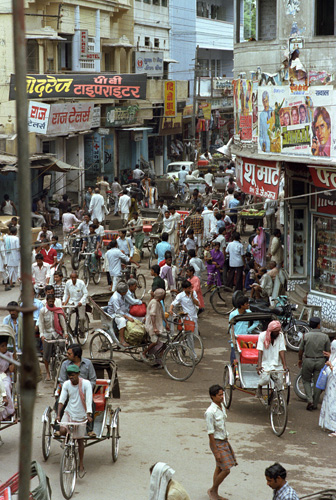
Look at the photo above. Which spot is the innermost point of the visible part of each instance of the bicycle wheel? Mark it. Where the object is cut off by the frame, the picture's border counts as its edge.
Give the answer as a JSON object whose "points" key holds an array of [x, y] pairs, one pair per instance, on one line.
{"points": [[278, 414], [75, 261], [100, 347], [97, 275], [195, 343], [219, 304], [299, 389], [227, 388], [46, 436], [152, 257], [178, 362], [82, 332], [64, 271], [85, 275], [295, 334], [141, 283], [115, 440], [68, 472]]}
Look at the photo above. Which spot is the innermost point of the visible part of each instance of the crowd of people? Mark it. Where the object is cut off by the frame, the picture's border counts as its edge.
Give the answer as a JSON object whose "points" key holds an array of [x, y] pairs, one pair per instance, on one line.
{"points": [[204, 250]]}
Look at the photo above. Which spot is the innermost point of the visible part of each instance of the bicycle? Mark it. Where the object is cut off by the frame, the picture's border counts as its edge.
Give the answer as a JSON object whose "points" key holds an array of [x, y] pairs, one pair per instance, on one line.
{"points": [[58, 355], [219, 303], [75, 331], [69, 460], [86, 271], [76, 253], [130, 271], [154, 240]]}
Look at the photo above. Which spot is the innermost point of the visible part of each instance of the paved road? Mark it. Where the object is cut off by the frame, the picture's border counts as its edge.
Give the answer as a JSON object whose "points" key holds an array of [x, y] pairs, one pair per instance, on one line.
{"points": [[162, 420]]}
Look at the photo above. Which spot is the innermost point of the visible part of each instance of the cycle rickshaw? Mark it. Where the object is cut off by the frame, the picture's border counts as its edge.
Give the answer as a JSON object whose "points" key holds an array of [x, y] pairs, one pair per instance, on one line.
{"points": [[7, 331], [105, 426], [242, 374]]}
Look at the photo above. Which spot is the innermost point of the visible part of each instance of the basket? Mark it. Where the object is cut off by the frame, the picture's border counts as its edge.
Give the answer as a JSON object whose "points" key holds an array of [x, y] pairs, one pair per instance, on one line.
{"points": [[188, 325]]}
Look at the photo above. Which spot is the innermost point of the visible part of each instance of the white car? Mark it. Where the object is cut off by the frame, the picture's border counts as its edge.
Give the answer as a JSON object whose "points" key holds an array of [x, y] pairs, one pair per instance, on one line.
{"points": [[174, 168]]}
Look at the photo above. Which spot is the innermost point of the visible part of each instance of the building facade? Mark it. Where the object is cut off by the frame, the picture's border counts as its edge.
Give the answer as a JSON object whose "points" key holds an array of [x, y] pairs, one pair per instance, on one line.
{"points": [[285, 133]]}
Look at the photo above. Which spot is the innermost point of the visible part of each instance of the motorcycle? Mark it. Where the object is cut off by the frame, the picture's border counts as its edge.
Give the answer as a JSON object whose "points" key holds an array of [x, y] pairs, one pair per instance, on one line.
{"points": [[292, 328]]}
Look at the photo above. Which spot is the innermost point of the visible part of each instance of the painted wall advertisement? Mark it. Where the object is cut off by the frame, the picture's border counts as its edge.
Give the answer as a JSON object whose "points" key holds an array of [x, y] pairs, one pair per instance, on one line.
{"points": [[297, 124], [169, 99], [258, 177], [68, 117], [245, 98]]}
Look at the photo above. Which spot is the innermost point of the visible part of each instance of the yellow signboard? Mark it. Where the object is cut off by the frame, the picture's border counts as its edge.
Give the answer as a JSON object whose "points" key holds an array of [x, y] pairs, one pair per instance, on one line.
{"points": [[170, 99]]}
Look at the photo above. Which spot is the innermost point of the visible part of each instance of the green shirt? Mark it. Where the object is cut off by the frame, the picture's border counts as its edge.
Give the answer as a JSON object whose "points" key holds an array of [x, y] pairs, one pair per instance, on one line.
{"points": [[314, 343], [158, 283]]}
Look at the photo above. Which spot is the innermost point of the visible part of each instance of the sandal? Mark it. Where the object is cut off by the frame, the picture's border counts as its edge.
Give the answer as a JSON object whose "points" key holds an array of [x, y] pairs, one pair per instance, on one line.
{"points": [[333, 434], [81, 474]]}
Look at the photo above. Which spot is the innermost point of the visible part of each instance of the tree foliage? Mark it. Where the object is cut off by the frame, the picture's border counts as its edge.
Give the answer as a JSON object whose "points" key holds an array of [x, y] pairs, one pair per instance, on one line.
{"points": [[249, 19]]}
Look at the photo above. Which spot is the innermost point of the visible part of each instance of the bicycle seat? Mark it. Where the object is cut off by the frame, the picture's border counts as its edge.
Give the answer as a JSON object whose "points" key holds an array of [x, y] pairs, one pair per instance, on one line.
{"points": [[261, 307]]}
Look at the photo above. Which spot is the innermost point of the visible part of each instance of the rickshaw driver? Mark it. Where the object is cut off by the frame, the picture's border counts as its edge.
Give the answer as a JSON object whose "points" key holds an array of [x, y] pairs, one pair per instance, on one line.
{"points": [[271, 356], [78, 392]]}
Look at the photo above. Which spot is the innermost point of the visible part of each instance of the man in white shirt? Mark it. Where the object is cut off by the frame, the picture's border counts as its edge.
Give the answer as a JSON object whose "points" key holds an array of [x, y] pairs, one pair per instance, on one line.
{"points": [[236, 253], [221, 240], [77, 395], [75, 293], [162, 207], [84, 227], [270, 207], [271, 356], [12, 255], [125, 244], [263, 289], [104, 186], [138, 175], [210, 223], [116, 190], [115, 258], [68, 221], [52, 326], [118, 309], [40, 273], [209, 179], [124, 206], [97, 206], [182, 175], [215, 418]]}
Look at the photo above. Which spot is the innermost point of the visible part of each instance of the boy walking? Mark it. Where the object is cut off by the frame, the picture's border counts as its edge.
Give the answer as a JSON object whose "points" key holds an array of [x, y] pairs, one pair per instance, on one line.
{"points": [[215, 417]]}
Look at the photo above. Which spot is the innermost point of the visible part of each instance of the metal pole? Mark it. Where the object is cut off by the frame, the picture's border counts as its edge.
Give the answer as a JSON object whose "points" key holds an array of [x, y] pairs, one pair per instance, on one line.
{"points": [[193, 122], [29, 366]]}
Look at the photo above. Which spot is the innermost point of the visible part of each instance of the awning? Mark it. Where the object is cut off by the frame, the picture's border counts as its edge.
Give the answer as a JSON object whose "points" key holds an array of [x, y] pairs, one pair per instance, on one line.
{"points": [[54, 165], [52, 36], [8, 163], [135, 129], [168, 60]]}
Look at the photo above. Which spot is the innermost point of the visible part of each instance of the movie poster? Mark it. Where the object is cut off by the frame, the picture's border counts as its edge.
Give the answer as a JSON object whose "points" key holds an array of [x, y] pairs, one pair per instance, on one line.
{"points": [[296, 124], [243, 108]]}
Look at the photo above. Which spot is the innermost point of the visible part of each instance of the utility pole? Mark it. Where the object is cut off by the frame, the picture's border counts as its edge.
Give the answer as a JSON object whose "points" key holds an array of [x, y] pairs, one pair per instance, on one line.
{"points": [[193, 122], [29, 365]]}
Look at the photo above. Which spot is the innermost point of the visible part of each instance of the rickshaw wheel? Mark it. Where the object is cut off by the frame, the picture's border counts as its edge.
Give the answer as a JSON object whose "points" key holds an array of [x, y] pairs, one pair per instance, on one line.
{"points": [[278, 414], [227, 387], [68, 472], [46, 436], [100, 347], [115, 440]]}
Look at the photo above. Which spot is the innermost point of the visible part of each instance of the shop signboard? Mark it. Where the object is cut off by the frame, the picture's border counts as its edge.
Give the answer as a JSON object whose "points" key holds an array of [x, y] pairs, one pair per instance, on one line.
{"points": [[83, 40], [121, 115], [70, 117], [204, 110], [86, 86], [171, 126], [38, 116], [323, 177], [149, 62], [297, 124], [170, 99], [96, 117], [258, 177]]}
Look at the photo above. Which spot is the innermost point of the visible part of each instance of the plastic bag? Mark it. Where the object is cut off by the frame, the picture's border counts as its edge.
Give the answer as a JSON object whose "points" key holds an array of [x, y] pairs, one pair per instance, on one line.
{"points": [[323, 377]]}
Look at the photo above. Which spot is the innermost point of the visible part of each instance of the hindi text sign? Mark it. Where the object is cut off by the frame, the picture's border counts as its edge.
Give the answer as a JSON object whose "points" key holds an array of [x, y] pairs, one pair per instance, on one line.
{"points": [[169, 99], [68, 117], [258, 177], [38, 116]]}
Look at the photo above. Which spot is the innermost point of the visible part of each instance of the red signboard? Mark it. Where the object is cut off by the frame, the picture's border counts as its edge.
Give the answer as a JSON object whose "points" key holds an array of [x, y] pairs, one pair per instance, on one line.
{"points": [[258, 177], [245, 127], [323, 178]]}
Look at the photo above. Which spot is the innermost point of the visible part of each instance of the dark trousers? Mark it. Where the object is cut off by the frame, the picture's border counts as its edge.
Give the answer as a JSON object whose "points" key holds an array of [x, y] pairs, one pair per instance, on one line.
{"points": [[310, 372], [238, 271]]}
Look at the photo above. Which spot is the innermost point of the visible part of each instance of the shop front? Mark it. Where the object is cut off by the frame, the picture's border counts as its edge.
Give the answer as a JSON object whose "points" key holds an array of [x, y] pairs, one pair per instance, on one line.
{"points": [[310, 246]]}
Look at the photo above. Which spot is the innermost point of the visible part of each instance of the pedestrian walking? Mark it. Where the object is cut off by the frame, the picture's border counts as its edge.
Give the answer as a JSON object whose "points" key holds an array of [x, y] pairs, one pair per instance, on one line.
{"points": [[276, 479], [215, 417], [97, 208], [270, 206], [8, 207], [312, 347], [236, 253], [116, 190], [328, 409], [124, 206], [12, 255]]}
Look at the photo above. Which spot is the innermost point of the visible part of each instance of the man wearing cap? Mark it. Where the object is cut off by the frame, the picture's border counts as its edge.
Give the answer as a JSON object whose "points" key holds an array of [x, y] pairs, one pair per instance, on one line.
{"points": [[78, 394], [313, 346], [118, 309], [271, 356]]}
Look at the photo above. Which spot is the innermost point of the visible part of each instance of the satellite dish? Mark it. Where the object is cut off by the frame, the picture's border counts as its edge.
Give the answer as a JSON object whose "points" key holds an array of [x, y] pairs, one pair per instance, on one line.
{"points": [[226, 150]]}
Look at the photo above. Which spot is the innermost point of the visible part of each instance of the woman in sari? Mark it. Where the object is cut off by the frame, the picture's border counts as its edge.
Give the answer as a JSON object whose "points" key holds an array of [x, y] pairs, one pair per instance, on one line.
{"points": [[328, 408], [215, 266], [259, 247]]}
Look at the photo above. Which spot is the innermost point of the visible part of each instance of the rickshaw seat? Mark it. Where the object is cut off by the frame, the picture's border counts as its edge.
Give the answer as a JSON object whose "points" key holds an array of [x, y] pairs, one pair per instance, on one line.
{"points": [[101, 393], [247, 347]]}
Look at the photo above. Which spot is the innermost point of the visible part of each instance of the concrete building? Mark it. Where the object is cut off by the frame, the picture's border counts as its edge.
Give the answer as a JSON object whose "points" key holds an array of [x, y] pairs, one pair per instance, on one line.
{"points": [[285, 134]]}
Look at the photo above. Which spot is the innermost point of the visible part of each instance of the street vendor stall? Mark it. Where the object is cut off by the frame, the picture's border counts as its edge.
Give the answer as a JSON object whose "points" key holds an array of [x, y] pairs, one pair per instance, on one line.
{"points": [[252, 217]]}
